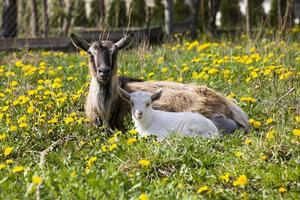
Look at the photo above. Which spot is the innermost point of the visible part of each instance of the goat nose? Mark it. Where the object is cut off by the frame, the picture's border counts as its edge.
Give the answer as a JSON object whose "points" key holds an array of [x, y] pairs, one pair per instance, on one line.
{"points": [[104, 70], [140, 113]]}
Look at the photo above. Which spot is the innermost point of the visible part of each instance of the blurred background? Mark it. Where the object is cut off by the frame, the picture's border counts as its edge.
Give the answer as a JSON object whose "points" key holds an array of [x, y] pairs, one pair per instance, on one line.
{"points": [[57, 18]]}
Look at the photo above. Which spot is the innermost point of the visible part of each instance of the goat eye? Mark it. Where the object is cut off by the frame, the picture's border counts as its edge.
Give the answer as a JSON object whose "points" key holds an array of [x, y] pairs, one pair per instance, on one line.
{"points": [[131, 103], [148, 104]]}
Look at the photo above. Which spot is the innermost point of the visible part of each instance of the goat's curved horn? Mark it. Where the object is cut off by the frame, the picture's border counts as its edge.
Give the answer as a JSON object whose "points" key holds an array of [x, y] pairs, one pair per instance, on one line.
{"points": [[156, 95], [123, 42], [79, 43], [124, 94]]}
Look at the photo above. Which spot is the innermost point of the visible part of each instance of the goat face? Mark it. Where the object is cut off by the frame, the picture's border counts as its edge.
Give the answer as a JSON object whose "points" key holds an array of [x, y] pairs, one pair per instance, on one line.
{"points": [[141, 102], [103, 55]]}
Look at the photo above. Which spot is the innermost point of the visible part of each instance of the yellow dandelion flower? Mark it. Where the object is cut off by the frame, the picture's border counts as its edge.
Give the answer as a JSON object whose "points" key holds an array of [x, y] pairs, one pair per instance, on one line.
{"points": [[37, 180], [131, 141], [225, 177], [143, 196], [9, 161], [17, 169], [270, 134], [13, 128], [2, 166], [281, 189], [112, 147], [7, 151], [238, 154], [297, 118], [248, 141], [91, 161], [69, 120], [133, 132], [256, 124], [144, 163], [104, 148], [269, 121], [2, 136], [263, 157], [23, 125], [296, 132], [241, 181], [203, 189]]}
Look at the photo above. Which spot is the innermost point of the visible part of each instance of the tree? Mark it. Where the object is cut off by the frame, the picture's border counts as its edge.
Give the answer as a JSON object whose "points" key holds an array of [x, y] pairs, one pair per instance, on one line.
{"points": [[182, 10], [256, 12], [34, 18], [169, 16], [230, 14], [138, 13], [277, 12], [158, 13], [79, 13], [117, 14], [9, 18]]}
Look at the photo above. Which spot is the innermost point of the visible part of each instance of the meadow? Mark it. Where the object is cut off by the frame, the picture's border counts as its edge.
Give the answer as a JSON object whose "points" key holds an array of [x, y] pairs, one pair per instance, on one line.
{"points": [[47, 151]]}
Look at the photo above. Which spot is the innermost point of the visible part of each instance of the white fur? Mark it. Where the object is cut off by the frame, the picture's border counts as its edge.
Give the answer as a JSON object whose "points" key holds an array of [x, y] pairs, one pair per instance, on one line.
{"points": [[161, 123]]}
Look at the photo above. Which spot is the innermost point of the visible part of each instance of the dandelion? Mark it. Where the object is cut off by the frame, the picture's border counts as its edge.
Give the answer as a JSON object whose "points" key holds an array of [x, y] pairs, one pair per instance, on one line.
{"points": [[69, 120], [225, 177], [238, 154], [17, 169], [248, 141], [112, 147], [103, 148], [131, 141], [2, 136], [263, 157], [143, 196], [270, 134], [7, 151], [23, 125], [2, 166], [133, 132], [281, 189], [144, 163], [297, 118], [91, 161], [296, 132], [256, 124], [37, 180], [241, 181], [9, 161], [203, 189], [248, 99]]}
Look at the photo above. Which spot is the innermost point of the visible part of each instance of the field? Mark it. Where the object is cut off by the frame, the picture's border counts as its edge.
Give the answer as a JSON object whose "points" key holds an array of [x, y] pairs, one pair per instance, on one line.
{"points": [[47, 151]]}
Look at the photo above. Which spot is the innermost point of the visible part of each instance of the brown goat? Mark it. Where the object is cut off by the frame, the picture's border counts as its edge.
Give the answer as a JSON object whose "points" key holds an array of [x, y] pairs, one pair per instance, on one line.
{"points": [[105, 106]]}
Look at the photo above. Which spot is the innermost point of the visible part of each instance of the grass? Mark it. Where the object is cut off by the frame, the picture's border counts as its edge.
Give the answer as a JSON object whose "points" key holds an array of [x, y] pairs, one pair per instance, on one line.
{"points": [[42, 96]]}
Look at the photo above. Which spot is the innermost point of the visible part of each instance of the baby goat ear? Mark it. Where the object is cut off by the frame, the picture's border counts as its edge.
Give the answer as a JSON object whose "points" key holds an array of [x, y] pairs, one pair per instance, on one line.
{"points": [[79, 43], [124, 94], [156, 95], [123, 42]]}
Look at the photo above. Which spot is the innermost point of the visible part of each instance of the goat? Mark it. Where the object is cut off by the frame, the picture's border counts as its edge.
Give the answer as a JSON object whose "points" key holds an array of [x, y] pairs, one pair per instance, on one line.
{"points": [[161, 123], [105, 107]]}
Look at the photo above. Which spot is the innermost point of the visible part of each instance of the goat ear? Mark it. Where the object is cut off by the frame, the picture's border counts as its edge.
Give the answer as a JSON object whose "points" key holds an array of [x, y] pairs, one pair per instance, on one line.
{"points": [[79, 43], [123, 42], [124, 94], [156, 95]]}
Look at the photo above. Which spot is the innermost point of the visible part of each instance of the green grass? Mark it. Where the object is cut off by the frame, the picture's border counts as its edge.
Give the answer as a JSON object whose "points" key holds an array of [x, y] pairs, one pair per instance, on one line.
{"points": [[102, 166]]}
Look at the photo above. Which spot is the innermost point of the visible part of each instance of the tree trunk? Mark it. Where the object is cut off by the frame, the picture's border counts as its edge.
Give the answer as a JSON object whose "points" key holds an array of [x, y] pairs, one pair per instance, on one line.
{"points": [[68, 16], [287, 21], [102, 14], [9, 19], [247, 18], [213, 6], [34, 18], [279, 15], [46, 19], [169, 16], [195, 8]]}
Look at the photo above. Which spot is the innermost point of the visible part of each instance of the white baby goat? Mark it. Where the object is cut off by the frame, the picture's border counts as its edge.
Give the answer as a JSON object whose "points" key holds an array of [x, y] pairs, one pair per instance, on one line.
{"points": [[160, 123]]}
